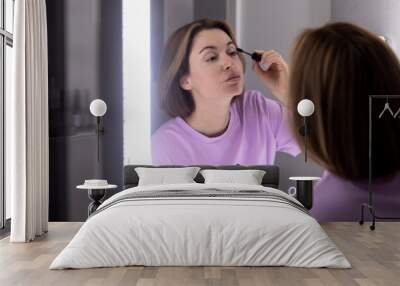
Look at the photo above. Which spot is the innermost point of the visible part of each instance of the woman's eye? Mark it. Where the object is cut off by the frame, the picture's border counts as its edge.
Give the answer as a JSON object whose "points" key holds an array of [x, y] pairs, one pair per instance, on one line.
{"points": [[233, 53], [211, 59]]}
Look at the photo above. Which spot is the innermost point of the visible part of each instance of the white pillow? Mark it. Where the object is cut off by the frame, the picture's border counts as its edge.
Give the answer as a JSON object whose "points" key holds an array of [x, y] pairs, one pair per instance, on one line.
{"points": [[248, 177], [162, 176]]}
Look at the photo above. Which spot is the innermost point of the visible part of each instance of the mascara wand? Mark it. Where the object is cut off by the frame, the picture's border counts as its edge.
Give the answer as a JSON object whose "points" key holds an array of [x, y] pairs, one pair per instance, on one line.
{"points": [[255, 56]]}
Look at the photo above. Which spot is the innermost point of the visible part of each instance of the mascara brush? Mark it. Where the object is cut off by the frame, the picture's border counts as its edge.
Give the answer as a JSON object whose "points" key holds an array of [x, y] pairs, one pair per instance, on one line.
{"points": [[254, 56]]}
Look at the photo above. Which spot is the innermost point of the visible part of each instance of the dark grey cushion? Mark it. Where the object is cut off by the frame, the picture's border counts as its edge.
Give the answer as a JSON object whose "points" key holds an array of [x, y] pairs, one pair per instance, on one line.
{"points": [[270, 179]]}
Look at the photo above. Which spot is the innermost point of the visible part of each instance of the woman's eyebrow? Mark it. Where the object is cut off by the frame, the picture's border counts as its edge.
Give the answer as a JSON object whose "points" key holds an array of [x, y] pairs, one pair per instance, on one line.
{"points": [[214, 47], [207, 47]]}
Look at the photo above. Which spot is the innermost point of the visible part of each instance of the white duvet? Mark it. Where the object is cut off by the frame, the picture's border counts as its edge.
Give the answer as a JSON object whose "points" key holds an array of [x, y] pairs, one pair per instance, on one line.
{"points": [[200, 231]]}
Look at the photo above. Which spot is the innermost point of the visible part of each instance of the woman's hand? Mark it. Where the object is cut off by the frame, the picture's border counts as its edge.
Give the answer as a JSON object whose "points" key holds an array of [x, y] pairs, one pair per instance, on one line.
{"points": [[275, 73]]}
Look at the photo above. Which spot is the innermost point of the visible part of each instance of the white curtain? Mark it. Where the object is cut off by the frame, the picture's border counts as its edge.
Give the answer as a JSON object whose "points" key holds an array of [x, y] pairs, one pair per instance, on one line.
{"points": [[27, 123]]}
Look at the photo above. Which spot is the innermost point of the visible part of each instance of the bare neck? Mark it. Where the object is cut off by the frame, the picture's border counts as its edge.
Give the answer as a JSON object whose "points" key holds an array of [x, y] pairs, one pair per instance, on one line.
{"points": [[210, 118]]}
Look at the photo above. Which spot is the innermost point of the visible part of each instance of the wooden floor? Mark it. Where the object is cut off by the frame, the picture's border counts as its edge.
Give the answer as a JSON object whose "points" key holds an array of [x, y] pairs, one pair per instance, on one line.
{"points": [[375, 257]]}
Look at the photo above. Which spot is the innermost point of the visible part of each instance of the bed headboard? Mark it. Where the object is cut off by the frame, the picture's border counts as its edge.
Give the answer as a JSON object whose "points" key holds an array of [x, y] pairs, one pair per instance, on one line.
{"points": [[270, 179]]}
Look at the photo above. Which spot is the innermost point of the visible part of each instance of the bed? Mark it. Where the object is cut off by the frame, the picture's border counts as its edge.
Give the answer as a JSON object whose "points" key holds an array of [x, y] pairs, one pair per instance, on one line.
{"points": [[201, 224]]}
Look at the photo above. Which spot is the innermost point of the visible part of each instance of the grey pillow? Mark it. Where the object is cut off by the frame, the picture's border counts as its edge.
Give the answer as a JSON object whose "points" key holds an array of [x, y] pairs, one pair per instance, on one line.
{"points": [[162, 176], [248, 177]]}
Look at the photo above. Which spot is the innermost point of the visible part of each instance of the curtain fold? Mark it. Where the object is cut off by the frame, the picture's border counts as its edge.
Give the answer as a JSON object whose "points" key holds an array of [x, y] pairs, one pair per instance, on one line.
{"points": [[27, 141]]}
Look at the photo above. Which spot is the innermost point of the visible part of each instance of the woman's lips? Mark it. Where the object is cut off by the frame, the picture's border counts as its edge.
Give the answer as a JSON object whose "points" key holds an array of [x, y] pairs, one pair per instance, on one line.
{"points": [[234, 78]]}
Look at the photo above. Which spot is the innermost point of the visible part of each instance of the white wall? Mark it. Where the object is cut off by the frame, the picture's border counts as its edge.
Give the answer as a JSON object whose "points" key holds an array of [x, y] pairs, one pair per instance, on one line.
{"points": [[174, 19], [270, 24], [136, 81], [381, 17]]}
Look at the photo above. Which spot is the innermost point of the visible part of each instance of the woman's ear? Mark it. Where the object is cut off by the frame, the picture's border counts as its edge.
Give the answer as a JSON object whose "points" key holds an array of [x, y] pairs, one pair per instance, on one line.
{"points": [[184, 82]]}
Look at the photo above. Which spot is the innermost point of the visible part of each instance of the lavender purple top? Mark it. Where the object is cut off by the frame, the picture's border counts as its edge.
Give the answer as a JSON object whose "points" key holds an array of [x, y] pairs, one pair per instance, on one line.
{"points": [[257, 129]]}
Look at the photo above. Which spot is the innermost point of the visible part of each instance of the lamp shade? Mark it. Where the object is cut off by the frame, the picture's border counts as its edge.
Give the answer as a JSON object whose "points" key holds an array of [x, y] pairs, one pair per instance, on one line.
{"points": [[98, 107], [305, 107]]}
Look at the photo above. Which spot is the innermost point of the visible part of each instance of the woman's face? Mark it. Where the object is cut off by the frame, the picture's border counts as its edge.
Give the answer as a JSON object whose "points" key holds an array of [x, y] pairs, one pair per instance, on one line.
{"points": [[215, 69]]}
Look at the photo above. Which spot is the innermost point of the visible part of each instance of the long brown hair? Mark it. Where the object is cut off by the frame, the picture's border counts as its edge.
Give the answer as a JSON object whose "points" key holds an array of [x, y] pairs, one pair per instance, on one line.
{"points": [[338, 66], [175, 64]]}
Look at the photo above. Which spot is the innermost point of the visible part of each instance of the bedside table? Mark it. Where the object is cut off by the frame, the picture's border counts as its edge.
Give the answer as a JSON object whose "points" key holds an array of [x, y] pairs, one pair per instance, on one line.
{"points": [[304, 190], [96, 194]]}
